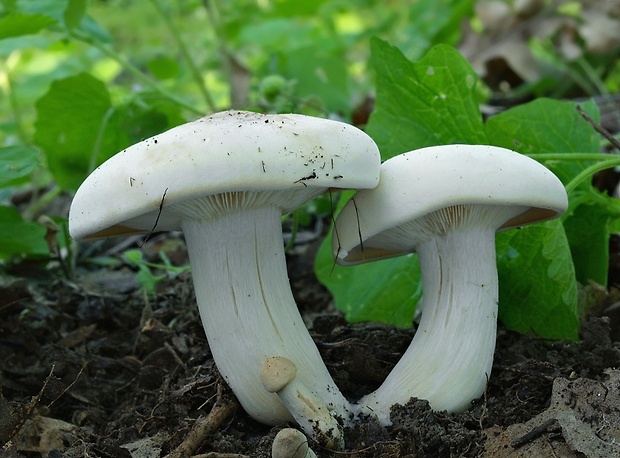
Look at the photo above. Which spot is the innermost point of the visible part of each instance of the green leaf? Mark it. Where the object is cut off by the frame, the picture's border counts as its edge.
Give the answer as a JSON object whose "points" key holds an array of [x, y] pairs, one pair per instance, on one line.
{"points": [[17, 24], [386, 291], [17, 162], [72, 127], [20, 237], [78, 128], [8, 45], [435, 22], [280, 34], [429, 102], [434, 101], [145, 276], [163, 67], [547, 126], [134, 122], [298, 8], [538, 291], [544, 126], [73, 14], [592, 218], [319, 75], [53, 9]]}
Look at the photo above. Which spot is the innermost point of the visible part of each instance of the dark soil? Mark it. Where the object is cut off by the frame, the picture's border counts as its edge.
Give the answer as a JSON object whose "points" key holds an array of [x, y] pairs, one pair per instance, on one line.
{"points": [[94, 367]]}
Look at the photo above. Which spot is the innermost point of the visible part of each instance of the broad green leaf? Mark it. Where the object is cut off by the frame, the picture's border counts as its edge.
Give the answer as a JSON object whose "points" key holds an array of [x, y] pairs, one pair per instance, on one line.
{"points": [[8, 45], [72, 127], [20, 237], [429, 102], [435, 22], [538, 292], [50, 8], [551, 126], [17, 24], [163, 67], [386, 291], [73, 14], [280, 34], [592, 218], [434, 101], [547, 126], [17, 162], [319, 75], [298, 8], [78, 128], [135, 122]]}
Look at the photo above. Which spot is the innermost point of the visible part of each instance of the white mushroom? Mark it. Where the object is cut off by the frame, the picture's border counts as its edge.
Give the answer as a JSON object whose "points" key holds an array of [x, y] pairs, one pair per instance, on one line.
{"points": [[279, 376], [446, 203], [290, 443], [225, 180]]}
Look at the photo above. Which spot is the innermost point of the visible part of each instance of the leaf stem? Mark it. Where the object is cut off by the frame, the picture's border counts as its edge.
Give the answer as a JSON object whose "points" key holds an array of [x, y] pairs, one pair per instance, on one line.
{"points": [[214, 18], [594, 79], [570, 156], [100, 132], [186, 55], [41, 201], [591, 170], [136, 72], [5, 68]]}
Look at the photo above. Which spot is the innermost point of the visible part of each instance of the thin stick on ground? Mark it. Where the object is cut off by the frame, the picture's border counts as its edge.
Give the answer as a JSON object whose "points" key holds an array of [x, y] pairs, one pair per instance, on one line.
{"points": [[223, 408]]}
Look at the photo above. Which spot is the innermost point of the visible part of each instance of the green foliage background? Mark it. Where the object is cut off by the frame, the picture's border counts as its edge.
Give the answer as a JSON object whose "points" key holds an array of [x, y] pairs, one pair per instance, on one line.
{"points": [[82, 80]]}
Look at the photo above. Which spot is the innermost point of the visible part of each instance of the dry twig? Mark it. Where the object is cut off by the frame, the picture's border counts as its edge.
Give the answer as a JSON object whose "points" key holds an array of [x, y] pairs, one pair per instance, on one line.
{"points": [[223, 408]]}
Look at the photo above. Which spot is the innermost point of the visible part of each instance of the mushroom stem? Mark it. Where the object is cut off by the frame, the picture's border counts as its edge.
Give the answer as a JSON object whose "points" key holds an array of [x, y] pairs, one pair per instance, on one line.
{"points": [[248, 310], [450, 357], [279, 376]]}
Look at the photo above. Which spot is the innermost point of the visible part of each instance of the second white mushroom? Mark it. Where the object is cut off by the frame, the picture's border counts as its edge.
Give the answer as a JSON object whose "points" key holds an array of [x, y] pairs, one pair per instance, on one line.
{"points": [[446, 203]]}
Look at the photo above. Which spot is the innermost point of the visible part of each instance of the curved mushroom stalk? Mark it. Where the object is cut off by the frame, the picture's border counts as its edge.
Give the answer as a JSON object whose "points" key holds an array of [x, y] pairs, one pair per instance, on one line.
{"points": [[249, 313], [225, 180], [450, 357], [279, 376]]}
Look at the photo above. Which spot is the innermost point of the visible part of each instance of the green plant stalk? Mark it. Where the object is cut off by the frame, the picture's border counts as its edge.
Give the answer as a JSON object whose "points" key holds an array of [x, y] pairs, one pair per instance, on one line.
{"points": [[186, 55], [136, 72], [570, 156], [92, 163], [14, 104], [213, 15], [40, 202], [294, 230], [585, 83], [594, 78], [589, 171]]}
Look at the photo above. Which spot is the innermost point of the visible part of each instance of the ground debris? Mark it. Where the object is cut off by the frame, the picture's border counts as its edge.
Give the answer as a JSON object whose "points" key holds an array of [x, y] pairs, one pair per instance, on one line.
{"points": [[130, 384], [587, 415]]}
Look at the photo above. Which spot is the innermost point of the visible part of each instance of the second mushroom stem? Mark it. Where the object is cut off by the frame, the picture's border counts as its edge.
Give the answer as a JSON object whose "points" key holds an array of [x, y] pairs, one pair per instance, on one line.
{"points": [[249, 313], [449, 359]]}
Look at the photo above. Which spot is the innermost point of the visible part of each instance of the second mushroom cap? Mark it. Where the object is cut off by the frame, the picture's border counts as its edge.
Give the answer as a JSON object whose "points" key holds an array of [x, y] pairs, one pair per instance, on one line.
{"points": [[425, 180]]}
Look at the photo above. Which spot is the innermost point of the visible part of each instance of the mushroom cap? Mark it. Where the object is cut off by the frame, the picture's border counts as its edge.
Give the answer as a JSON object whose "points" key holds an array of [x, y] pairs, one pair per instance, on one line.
{"points": [[290, 443], [227, 152], [426, 180], [277, 372]]}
